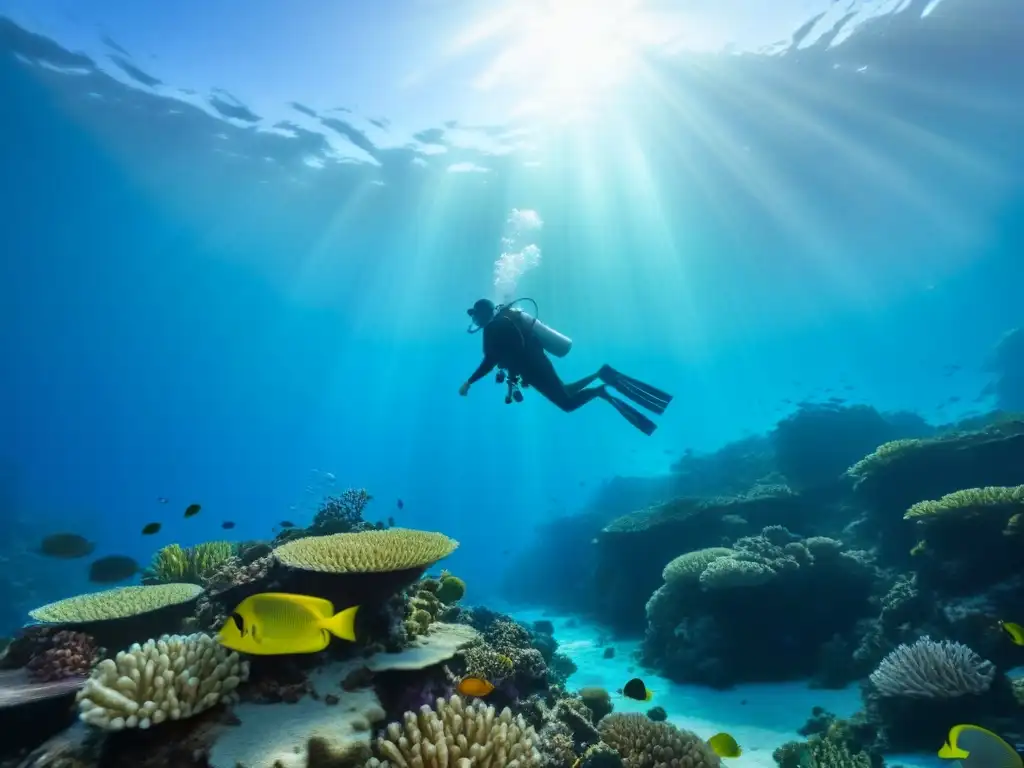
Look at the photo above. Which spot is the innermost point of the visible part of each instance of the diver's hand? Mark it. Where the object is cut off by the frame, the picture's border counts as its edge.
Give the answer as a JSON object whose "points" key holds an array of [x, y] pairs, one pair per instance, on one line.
{"points": [[464, 389]]}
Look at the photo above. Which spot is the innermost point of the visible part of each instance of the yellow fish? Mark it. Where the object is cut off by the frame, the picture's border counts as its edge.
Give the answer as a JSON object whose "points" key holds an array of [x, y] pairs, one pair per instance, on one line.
{"points": [[724, 745], [976, 747], [1015, 631], [475, 686], [276, 623]]}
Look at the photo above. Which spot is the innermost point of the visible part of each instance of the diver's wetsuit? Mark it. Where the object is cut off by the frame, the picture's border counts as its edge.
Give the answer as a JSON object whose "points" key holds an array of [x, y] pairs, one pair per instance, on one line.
{"points": [[517, 350]]}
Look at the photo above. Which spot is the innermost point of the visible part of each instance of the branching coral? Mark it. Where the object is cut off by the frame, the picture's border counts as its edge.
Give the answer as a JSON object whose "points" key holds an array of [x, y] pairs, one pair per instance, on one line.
{"points": [[171, 678], [932, 670], [464, 735], [192, 565], [819, 752], [233, 572], [643, 743]]}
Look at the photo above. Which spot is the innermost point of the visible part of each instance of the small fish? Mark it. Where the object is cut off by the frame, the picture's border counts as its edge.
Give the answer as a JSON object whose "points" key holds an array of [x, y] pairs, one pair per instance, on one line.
{"points": [[976, 747], [161, 500], [227, 525], [113, 568], [635, 689], [724, 745], [1015, 631], [150, 528], [401, 504], [286, 524], [192, 510], [66, 546], [277, 623], [474, 686], [391, 522]]}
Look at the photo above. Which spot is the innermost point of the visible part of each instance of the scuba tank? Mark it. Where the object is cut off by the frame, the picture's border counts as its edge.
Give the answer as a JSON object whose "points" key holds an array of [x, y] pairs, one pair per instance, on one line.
{"points": [[553, 342]]}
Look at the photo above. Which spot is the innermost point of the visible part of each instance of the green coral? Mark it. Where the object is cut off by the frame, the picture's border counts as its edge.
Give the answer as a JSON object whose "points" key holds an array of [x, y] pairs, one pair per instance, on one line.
{"points": [[118, 603], [728, 572], [174, 564], [882, 455], [969, 502], [451, 589]]}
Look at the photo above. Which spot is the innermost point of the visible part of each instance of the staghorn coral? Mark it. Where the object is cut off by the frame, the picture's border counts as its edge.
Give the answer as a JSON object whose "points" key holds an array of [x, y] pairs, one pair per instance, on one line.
{"points": [[192, 565], [118, 603], [171, 678], [343, 512], [377, 551], [643, 743], [932, 670], [70, 654], [453, 733]]}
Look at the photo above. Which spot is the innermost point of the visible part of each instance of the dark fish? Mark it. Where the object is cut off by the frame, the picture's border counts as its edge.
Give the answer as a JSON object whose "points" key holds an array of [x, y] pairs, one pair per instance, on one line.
{"points": [[391, 522], [401, 504], [112, 568], [286, 524], [161, 500], [150, 528], [227, 525], [66, 546], [193, 509], [635, 689]]}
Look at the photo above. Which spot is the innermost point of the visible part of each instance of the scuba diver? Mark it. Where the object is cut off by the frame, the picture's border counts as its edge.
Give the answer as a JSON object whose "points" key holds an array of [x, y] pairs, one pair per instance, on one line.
{"points": [[518, 344]]}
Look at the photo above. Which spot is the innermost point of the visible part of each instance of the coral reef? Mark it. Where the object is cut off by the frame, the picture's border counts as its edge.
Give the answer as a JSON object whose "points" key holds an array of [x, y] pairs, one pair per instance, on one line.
{"points": [[644, 743], [192, 565], [651, 538], [332, 727], [395, 549], [452, 731], [118, 603], [69, 654], [167, 679], [696, 619]]}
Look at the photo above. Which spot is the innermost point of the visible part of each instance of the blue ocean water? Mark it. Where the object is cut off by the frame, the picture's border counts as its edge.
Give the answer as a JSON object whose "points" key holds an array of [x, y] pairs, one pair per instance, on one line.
{"points": [[205, 304], [237, 246]]}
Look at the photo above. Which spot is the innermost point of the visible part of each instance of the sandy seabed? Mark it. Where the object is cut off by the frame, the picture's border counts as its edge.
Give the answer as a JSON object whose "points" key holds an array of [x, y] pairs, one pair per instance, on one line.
{"points": [[760, 717]]}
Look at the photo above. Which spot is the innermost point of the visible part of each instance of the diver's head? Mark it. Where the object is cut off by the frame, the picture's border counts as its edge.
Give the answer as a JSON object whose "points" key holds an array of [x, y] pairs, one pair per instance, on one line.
{"points": [[482, 312]]}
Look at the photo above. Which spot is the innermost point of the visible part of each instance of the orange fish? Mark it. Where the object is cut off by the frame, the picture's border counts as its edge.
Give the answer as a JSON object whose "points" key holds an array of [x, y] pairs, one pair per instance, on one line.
{"points": [[474, 686]]}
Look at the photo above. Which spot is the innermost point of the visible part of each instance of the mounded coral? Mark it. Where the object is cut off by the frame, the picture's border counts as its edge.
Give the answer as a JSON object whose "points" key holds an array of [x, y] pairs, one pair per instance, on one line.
{"points": [[644, 743], [451, 589], [118, 603], [454, 733], [699, 619], [171, 678], [70, 654], [394, 549], [649, 539]]}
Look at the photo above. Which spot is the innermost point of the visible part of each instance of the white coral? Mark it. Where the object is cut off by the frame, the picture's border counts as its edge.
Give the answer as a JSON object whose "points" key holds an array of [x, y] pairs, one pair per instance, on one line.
{"points": [[172, 678], [456, 735]]}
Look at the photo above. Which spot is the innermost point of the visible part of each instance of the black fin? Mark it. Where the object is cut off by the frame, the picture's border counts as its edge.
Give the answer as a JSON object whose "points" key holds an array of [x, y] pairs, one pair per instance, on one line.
{"points": [[633, 416], [651, 398]]}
